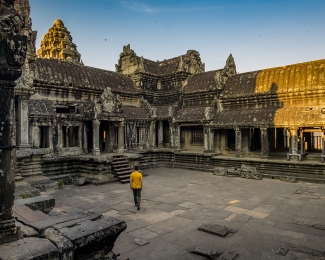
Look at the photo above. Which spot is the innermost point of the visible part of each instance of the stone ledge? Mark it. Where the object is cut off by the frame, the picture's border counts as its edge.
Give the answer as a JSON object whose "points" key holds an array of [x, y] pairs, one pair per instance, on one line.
{"points": [[42, 203]]}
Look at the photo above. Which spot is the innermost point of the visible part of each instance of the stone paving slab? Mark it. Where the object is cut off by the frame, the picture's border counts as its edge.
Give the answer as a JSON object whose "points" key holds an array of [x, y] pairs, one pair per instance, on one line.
{"points": [[265, 214]]}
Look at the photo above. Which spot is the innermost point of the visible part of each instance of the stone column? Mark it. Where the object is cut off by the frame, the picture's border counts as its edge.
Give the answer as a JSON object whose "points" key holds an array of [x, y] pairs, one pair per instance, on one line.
{"points": [[245, 141], [111, 137], [264, 143], [294, 144], [160, 134], [223, 140], [120, 144], [107, 139], [22, 131], [152, 135], [211, 140], [13, 52], [238, 142], [217, 141], [302, 144], [80, 134], [96, 124], [206, 136], [67, 137], [85, 139], [35, 135], [176, 136], [172, 135], [323, 147]]}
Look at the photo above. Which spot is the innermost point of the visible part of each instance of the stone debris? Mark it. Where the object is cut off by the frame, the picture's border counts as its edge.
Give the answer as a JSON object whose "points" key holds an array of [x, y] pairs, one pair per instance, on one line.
{"points": [[141, 242], [285, 247], [208, 253], [221, 231], [243, 172], [229, 255]]}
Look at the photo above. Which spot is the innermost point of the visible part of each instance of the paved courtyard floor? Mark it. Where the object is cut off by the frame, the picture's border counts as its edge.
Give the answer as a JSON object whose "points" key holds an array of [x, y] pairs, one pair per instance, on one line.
{"points": [[269, 215]]}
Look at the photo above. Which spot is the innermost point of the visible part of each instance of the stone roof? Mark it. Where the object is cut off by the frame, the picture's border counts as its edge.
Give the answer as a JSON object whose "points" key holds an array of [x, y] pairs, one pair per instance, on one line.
{"points": [[135, 113], [162, 111], [62, 73], [244, 118], [161, 67], [190, 114], [201, 82], [301, 77]]}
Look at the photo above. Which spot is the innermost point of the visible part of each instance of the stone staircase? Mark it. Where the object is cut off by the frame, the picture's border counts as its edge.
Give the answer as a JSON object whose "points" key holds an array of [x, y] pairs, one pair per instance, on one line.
{"points": [[121, 168]]}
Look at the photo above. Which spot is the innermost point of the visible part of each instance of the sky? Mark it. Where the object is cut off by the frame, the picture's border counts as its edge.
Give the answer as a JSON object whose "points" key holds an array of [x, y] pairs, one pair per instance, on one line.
{"points": [[259, 34]]}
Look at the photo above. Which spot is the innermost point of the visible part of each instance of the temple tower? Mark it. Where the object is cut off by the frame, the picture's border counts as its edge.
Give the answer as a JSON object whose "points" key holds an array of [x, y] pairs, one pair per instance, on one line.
{"points": [[57, 44]]}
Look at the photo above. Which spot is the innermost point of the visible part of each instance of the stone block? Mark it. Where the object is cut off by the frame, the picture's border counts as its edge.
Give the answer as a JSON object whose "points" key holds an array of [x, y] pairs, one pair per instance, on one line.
{"points": [[221, 231], [30, 248], [229, 255], [42, 203], [141, 242], [220, 171], [64, 245], [208, 253]]}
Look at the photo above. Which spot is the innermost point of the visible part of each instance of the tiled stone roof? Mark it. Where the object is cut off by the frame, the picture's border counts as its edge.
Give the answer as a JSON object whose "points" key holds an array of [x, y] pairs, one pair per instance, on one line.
{"points": [[161, 67], [78, 76], [190, 114], [41, 107], [135, 113], [201, 82]]}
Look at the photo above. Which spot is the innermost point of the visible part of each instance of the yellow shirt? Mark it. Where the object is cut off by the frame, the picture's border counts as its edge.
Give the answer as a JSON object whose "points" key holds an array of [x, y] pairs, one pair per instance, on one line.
{"points": [[136, 180]]}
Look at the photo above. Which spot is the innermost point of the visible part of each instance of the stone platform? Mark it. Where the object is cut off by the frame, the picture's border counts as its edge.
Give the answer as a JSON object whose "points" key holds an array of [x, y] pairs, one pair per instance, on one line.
{"points": [[274, 219]]}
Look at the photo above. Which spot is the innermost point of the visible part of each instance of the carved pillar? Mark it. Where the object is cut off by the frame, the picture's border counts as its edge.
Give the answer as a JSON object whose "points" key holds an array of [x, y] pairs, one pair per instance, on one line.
{"points": [[13, 50], [107, 138], [264, 143], [245, 141], [160, 134], [217, 141], [85, 139], [172, 135], [238, 142], [22, 131], [120, 144], [96, 124], [111, 137]]}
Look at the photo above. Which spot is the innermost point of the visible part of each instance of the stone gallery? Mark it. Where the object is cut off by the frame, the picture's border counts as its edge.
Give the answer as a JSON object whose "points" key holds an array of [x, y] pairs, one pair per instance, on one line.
{"points": [[65, 121]]}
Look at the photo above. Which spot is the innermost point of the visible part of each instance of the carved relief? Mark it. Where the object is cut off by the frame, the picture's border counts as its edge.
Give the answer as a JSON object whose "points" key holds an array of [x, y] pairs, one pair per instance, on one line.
{"points": [[106, 100]]}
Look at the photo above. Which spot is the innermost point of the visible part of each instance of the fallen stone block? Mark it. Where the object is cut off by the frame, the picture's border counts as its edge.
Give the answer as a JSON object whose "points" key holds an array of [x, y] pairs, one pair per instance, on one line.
{"points": [[221, 231], [141, 242], [229, 255], [285, 247], [233, 172], [26, 230], [208, 253], [249, 173], [42, 203], [220, 171], [83, 180]]}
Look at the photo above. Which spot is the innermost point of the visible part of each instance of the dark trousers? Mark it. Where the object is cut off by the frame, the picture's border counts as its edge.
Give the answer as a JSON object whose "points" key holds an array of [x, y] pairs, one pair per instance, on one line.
{"points": [[137, 196]]}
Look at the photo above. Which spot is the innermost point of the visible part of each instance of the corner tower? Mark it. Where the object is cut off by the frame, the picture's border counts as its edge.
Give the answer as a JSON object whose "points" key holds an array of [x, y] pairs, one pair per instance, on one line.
{"points": [[57, 44]]}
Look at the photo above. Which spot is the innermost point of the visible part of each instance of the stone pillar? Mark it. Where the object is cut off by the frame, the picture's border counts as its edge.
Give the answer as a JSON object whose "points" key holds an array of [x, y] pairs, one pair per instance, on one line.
{"points": [[206, 137], [294, 144], [177, 134], [35, 135], [160, 134], [67, 136], [211, 140], [80, 134], [223, 140], [264, 143], [323, 147], [85, 139], [13, 52], [120, 143], [111, 137], [96, 124], [152, 134], [238, 142], [107, 139], [172, 135], [302, 143], [217, 141], [22, 131]]}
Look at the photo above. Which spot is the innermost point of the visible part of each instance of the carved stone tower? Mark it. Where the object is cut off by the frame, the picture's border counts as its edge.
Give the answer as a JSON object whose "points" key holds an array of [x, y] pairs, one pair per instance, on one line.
{"points": [[57, 44]]}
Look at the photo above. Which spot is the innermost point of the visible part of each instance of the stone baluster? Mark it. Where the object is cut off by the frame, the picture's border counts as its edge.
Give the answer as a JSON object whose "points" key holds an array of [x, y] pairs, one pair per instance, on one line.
{"points": [[96, 124], [238, 142], [120, 143], [264, 143]]}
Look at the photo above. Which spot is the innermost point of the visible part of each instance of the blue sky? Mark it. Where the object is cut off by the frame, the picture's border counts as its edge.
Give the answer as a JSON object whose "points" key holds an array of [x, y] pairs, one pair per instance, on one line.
{"points": [[259, 34]]}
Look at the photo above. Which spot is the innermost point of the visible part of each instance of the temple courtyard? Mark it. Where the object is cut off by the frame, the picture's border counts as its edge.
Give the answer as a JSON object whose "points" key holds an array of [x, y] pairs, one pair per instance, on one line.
{"points": [[259, 219]]}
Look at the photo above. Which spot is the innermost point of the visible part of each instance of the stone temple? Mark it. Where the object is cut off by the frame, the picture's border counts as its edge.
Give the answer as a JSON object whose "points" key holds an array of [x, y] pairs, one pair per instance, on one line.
{"points": [[75, 121]]}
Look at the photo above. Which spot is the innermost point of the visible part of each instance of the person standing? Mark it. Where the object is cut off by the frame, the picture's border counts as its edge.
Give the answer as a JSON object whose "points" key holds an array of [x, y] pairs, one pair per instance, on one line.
{"points": [[136, 185]]}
